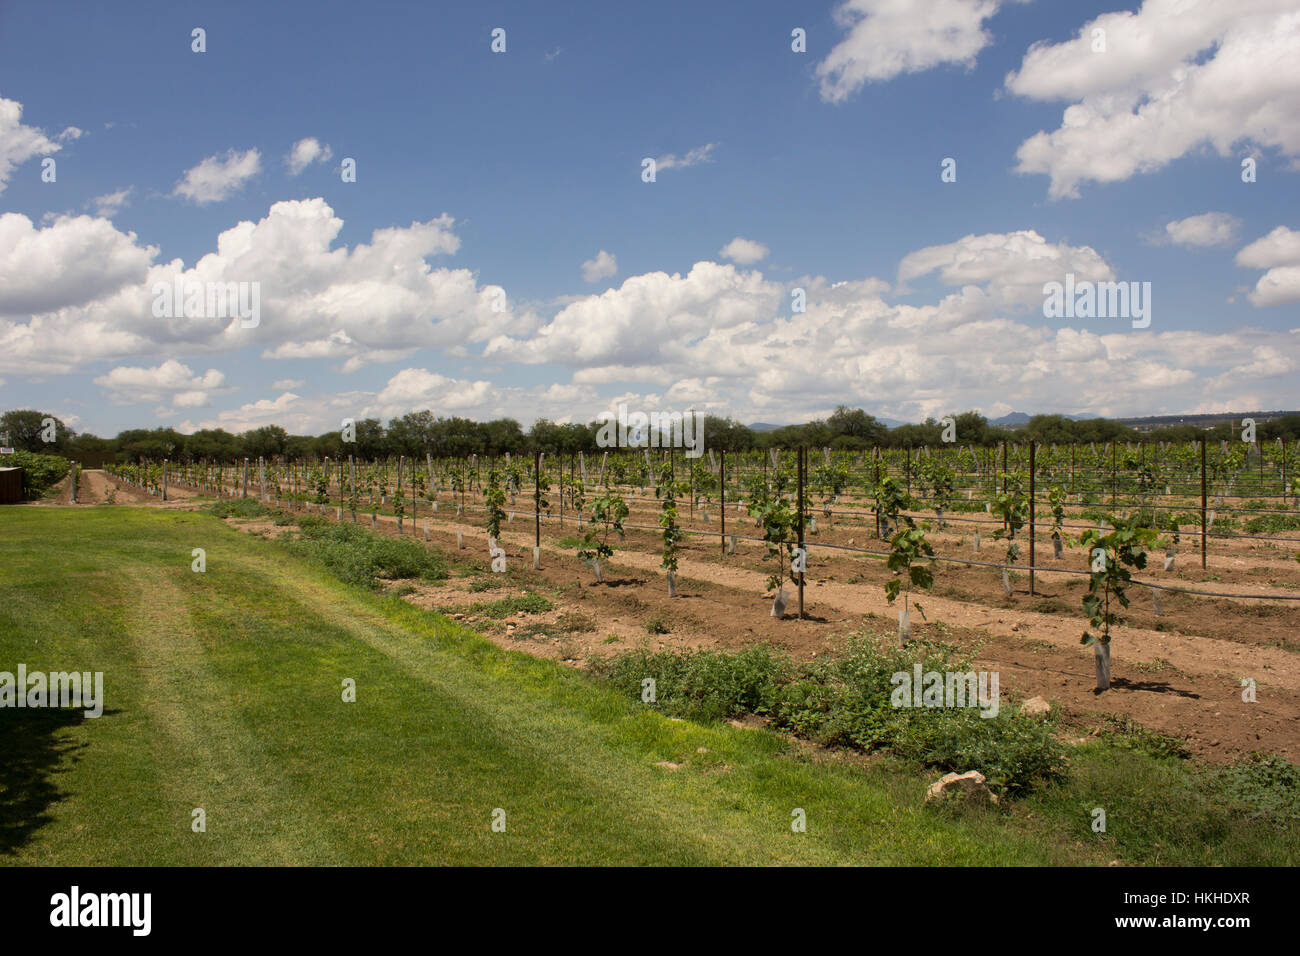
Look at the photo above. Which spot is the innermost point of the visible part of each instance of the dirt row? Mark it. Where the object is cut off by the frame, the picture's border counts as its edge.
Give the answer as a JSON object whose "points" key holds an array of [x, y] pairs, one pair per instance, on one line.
{"points": [[98, 487]]}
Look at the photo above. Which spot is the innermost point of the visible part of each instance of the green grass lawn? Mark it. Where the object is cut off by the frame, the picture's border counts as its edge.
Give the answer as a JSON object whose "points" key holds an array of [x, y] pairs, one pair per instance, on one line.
{"points": [[224, 692]]}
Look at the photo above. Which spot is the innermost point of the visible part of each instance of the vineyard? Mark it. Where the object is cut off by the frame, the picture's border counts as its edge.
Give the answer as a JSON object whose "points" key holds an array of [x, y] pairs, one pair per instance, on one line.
{"points": [[856, 434], [1183, 543]]}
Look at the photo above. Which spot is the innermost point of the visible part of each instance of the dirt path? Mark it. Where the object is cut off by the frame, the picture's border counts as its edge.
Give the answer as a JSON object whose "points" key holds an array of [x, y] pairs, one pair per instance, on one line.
{"points": [[99, 487]]}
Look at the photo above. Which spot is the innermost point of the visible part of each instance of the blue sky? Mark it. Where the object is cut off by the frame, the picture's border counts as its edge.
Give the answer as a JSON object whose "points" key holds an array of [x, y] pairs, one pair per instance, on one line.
{"points": [[826, 161]]}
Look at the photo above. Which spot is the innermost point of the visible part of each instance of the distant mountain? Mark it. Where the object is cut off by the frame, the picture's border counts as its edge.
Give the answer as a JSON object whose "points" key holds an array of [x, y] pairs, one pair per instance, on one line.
{"points": [[1020, 419], [769, 427], [1204, 420], [1011, 420]]}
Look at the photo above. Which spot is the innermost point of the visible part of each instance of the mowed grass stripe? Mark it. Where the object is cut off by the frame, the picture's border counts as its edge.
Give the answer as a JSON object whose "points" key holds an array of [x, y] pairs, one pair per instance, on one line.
{"points": [[236, 685], [166, 744], [225, 687], [458, 717], [278, 687], [436, 761], [71, 789], [205, 753], [714, 806]]}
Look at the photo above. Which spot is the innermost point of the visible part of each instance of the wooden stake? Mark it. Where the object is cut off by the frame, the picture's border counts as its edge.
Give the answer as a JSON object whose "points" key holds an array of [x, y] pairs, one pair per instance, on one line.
{"points": [[799, 513], [1032, 445], [1205, 531], [722, 497]]}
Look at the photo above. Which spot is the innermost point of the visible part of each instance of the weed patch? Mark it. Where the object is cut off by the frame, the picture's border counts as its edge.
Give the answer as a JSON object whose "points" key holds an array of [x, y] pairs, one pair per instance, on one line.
{"points": [[360, 556]]}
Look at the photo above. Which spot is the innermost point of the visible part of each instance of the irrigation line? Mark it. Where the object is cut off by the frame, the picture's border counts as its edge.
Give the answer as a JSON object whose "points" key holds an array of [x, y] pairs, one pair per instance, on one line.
{"points": [[970, 562], [957, 518], [1157, 505], [1190, 533]]}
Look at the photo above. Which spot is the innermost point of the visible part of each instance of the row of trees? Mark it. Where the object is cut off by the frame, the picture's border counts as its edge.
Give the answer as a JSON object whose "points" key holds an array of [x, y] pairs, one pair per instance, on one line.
{"points": [[416, 433]]}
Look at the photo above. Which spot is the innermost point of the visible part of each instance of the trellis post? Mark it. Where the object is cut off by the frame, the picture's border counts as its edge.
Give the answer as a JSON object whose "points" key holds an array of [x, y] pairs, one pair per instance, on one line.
{"points": [[1032, 470], [798, 505], [722, 497], [1114, 451], [875, 455], [1205, 532], [537, 510]]}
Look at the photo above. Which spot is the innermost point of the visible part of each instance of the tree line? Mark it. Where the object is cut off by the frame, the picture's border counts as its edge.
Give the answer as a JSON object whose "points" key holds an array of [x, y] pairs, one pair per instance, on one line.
{"points": [[418, 433]]}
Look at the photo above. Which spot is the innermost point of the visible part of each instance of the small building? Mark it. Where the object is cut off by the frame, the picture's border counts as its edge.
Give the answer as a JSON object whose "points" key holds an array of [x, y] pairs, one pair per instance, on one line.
{"points": [[11, 486]]}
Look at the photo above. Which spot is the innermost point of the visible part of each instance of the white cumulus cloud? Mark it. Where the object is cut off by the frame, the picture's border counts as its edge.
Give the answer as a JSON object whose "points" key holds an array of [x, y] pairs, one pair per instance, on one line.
{"points": [[90, 295], [1279, 253], [19, 143], [745, 252], [110, 204], [304, 153], [1207, 229], [216, 178], [129, 385], [290, 411], [71, 262], [602, 267], [1013, 266], [1175, 76], [886, 38]]}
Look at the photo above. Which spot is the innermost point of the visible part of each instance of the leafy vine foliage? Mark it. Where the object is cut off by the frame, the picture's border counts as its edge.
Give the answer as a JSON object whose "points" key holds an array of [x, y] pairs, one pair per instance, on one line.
{"points": [[608, 510], [910, 553]]}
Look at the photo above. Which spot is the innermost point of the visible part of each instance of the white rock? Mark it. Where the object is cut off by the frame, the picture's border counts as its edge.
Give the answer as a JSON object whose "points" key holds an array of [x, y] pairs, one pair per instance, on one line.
{"points": [[966, 785], [1036, 705]]}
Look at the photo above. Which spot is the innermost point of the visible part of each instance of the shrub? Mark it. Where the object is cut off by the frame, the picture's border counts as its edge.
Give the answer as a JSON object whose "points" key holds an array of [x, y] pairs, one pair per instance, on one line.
{"points": [[40, 472], [700, 685], [845, 701], [1014, 752], [822, 712], [360, 556]]}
